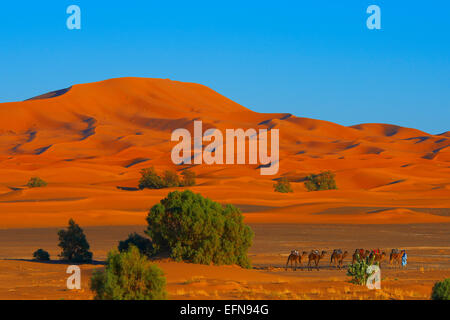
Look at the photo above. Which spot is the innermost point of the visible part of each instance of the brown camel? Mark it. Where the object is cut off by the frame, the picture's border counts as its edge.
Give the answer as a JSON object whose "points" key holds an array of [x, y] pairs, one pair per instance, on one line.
{"points": [[315, 256], [395, 257], [338, 257], [360, 254], [377, 256], [295, 258], [302, 258]]}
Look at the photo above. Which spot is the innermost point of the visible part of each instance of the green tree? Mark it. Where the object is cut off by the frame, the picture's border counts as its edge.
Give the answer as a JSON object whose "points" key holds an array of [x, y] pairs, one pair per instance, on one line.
{"points": [[171, 179], [36, 182], [196, 229], [74, 244], [149, 179], [358, 270], [41, 255], [188, 178], [321, 181], [143, 244], [283, 185], [129, 276], [441, 290]]}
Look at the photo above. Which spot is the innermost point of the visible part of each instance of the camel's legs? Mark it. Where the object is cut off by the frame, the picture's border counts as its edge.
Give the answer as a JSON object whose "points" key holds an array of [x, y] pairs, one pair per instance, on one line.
{"points": [[287, 263]]}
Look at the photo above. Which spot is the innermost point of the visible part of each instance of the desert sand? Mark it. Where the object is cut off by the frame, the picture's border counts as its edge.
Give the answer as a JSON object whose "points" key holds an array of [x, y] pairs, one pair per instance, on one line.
{"points": [[427, 246], [90, 141]]}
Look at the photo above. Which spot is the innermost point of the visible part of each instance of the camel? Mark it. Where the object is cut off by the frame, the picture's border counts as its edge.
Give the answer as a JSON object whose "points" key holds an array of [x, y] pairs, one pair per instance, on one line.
{"points": [[377, 257], [316, 257], [338, 257], [395, 257], [295, 257], [360, 254], [302, 258]]}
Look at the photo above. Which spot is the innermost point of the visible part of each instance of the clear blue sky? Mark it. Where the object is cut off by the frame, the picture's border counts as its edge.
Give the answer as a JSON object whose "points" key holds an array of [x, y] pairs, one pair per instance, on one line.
{"points": [[311, 58]]}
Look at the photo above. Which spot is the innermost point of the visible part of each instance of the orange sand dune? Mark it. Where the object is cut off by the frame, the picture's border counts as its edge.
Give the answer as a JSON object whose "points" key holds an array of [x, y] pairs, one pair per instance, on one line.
{"points": [[89, 143]]}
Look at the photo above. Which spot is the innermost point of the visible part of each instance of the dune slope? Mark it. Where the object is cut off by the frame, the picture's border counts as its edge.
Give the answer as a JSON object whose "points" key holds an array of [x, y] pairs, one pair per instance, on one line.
{"points": [[90, 141]]}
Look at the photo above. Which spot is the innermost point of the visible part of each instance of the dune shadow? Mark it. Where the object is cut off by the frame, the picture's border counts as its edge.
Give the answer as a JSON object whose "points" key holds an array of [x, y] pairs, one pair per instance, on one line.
{"points": [[135, 162], [419, 139], [379, 210], [52, 94], [127, 188], [43, 200], [250, 208], [286, 116], [17, 188], [395, 182], [42, 150], [62, 262]]}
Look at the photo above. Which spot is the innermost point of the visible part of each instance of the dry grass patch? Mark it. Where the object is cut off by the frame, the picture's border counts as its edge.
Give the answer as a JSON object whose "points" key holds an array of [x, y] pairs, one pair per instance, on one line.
{"points": [[194, 279], [280, 281], [331, 290]]}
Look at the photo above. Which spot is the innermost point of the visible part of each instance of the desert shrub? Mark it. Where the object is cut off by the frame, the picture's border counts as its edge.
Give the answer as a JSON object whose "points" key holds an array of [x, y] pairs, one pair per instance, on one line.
{"points": [[188, 178], [149, 179], [143, 244], [41, 255], [171, 179], [358, 270], [74, 244], [196, 229], [441, 290], [321, 181], [283, 185], [36, 182], [129, 275]]}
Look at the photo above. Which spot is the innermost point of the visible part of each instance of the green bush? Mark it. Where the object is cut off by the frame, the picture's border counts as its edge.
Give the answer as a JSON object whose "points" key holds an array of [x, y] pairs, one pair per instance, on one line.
{"points": [[196, 229], [170, 179], [150, 180], [358, 270], [321, 181], [74, 244], [441, 290], [129, 276], [36, 182], [143, 244], [41, 255], [188, 178], [283, 185]]}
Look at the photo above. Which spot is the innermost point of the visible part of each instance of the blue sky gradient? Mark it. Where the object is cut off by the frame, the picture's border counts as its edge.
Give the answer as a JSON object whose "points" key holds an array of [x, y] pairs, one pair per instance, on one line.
{"points": [[313, 59]]}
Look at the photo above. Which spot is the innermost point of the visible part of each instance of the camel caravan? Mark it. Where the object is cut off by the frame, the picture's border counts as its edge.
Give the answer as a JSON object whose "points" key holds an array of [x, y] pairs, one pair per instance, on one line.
{"points": [[311, 260]]}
